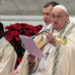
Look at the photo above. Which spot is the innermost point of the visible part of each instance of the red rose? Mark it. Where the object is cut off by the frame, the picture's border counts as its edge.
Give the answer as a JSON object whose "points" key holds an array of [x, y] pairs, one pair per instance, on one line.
{"points": [[7, 27], [19, 59], [14, 33], [28, 32], [35, 30], [28, 27], [39, 27], [16, 26], [17, 39], [9, 37]]}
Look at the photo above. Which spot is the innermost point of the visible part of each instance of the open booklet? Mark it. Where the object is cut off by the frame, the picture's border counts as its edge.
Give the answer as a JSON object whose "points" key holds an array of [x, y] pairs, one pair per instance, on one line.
{"points": [[29, 44]]}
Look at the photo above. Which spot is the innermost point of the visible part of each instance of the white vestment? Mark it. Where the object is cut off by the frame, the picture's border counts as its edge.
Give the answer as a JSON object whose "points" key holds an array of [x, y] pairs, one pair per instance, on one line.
{"points": [[66, 58], [7, 57]]}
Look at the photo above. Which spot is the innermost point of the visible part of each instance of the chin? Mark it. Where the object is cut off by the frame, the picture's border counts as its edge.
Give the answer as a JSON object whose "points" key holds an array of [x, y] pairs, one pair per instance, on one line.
{"points": [[56, 28]]}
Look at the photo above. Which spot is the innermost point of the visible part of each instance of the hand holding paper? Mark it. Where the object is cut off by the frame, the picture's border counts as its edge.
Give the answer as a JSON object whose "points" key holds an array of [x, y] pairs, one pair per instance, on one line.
{"points": [[31, 47]]}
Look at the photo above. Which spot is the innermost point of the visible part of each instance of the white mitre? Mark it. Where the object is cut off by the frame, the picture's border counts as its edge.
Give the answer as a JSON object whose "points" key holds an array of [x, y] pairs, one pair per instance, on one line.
{"points": [[61, 7]]}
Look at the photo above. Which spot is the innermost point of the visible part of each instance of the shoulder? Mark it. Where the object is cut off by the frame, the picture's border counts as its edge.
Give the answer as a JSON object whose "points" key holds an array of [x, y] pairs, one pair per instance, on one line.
{"points": [[6, 44], [72, 32], [71, 37]]}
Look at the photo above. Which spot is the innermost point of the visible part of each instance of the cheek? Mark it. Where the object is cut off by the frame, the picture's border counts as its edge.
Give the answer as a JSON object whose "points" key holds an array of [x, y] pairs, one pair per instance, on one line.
{"points": [[50, 19], [61, 22]]}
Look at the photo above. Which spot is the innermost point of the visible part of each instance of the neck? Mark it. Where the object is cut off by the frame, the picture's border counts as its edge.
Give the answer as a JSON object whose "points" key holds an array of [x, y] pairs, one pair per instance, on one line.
{"points": [[48, 24], [59, 29]]}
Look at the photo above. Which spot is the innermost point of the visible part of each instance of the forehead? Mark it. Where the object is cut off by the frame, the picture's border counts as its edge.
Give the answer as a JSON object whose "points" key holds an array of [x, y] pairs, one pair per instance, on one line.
{"points": [[48, 9], [57, 11]]}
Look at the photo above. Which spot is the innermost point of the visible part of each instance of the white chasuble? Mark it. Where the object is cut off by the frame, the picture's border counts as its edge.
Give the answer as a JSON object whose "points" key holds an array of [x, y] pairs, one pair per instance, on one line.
{"points": [[66, 56]]}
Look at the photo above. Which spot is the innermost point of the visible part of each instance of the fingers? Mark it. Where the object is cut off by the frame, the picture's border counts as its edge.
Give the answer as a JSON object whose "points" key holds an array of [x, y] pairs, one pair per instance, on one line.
{"points": [[49, 33], [50, 38], [47, 37], [31, 58], [14, 72]]}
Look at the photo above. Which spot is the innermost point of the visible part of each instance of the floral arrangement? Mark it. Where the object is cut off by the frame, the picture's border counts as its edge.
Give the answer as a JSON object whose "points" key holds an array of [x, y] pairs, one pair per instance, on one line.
{"points": [[12, 35]]}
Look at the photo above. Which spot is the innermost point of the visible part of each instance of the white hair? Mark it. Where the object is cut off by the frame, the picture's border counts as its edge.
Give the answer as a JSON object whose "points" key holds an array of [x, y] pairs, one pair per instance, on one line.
{"points": [[61, 7]]}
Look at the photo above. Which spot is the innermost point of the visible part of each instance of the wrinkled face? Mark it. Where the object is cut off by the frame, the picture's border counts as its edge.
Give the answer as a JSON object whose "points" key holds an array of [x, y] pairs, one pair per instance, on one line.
{"points": [[47, 15], [59, 18]]}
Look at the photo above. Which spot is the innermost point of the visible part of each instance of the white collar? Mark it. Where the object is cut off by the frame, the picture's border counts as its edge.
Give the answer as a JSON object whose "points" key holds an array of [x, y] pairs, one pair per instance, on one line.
{"points": [[2, 39], [46, 27]]}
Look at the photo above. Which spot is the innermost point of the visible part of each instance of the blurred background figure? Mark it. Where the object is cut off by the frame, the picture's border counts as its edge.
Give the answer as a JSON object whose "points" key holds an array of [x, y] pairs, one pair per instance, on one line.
{"points": [[7, 54]]}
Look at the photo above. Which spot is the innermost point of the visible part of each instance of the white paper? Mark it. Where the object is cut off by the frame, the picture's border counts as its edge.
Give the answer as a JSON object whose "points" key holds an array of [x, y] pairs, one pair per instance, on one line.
{"points": [[30, 46]]}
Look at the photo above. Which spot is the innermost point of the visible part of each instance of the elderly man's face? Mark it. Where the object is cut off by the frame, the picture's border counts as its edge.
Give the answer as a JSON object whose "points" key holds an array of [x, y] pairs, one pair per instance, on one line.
{"points": [[47, 15], [59, 18]]}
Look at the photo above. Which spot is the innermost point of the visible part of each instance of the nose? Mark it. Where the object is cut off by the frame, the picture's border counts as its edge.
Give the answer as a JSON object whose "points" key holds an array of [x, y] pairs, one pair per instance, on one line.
{"points": [[55, 19], [44, 16]]}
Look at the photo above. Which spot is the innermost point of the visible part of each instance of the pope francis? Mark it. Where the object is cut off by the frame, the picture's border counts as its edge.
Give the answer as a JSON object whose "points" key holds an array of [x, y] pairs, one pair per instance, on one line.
{"points": [[61, 61]]}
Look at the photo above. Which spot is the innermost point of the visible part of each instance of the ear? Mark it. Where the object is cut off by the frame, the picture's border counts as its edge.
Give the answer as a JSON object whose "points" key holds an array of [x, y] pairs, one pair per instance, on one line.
{"points": [[67, 17]]}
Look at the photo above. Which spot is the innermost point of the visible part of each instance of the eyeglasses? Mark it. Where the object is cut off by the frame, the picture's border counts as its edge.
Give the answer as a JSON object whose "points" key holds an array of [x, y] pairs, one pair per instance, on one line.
{"points": [[57, 17]]}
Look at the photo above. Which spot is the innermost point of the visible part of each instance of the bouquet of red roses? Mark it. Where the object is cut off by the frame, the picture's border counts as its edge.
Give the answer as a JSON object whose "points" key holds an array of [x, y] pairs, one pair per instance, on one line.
{"points": [[13, 32]]}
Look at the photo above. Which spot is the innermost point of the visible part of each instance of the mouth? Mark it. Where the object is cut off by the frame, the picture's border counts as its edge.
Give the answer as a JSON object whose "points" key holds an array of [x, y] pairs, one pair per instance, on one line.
{"points": [[45, 20], [55, 24]]}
